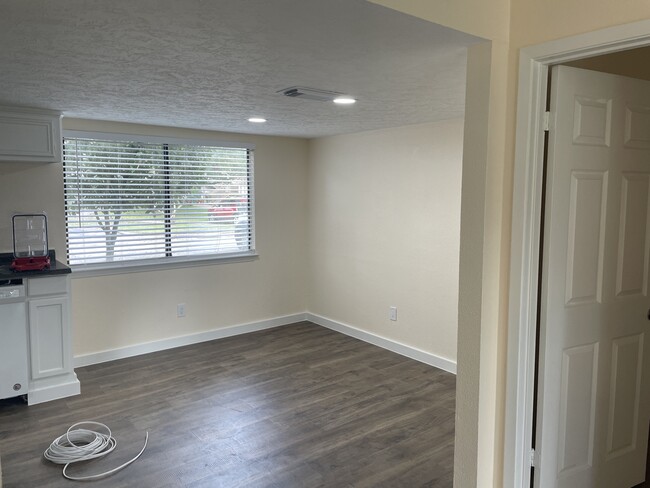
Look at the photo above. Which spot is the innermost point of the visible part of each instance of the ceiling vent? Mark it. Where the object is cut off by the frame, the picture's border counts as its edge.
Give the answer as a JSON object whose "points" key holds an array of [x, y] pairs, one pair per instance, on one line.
{"points": [[310, 93]]}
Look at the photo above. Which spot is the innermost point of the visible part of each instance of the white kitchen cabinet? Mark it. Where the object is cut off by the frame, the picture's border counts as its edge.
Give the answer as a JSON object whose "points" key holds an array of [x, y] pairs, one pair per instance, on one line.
{"points": [[48, 319], [50, 345], [30, 135]]}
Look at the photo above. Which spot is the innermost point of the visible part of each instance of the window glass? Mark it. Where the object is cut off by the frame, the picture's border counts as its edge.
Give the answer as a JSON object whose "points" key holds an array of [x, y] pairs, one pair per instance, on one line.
{"points": [[130, 201]]}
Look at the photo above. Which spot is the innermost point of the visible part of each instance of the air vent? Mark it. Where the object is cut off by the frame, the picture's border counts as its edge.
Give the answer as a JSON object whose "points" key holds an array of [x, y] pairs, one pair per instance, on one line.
{"points": [[310, 93]]}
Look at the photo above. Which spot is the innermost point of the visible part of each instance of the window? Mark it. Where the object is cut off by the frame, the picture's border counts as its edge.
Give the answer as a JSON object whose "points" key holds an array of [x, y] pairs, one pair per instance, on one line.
{"points": [[133, 201]]}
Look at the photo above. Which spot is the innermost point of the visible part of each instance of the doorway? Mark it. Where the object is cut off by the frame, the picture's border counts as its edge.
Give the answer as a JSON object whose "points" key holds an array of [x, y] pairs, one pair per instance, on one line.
{"points": [[535, 63]]}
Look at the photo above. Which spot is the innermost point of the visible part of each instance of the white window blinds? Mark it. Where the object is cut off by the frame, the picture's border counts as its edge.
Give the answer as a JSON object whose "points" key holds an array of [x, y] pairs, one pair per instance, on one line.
{"points": [[134, 201]]}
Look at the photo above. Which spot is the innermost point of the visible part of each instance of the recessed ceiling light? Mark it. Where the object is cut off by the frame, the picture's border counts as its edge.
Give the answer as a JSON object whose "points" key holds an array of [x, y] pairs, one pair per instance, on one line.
{"points": [[257, 120], [344, 100]]}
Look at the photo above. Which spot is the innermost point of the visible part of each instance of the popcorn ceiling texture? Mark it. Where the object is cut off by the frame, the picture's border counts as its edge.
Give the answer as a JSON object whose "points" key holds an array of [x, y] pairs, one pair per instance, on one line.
{"points": [[213, 64]]}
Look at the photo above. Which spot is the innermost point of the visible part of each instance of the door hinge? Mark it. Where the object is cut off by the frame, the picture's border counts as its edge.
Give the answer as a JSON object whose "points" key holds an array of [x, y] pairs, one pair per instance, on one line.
{"points": [[547, 121], [532, 457]]}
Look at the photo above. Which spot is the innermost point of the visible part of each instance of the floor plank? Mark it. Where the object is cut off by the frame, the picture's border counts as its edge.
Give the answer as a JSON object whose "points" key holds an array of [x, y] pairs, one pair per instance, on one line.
{"points": [[294, 406]]}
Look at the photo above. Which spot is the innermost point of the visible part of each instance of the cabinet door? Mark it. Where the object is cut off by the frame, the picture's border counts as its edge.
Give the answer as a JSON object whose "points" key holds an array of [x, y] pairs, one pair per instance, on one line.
{"points": [[49, 345], [30, 136]]}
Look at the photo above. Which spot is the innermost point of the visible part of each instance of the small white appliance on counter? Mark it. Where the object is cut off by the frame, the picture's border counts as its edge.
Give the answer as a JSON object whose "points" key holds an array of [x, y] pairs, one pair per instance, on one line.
{"points": [[30, 243]]}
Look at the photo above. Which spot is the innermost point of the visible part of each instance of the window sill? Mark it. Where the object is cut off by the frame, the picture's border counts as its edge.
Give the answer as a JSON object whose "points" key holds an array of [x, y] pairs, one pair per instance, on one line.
{"points": [[92, 270]]}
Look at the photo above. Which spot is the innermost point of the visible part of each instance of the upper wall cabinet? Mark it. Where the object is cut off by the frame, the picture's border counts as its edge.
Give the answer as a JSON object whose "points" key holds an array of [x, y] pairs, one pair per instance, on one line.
{"points": [[30, 135]]}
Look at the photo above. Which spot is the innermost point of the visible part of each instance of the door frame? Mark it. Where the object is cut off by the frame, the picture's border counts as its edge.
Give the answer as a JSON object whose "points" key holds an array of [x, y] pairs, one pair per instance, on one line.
{"points": [[534, 63]]}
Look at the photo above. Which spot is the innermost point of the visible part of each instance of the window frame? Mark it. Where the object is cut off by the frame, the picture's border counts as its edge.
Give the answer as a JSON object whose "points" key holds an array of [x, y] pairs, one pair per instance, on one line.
{"points": [[168, 262]]}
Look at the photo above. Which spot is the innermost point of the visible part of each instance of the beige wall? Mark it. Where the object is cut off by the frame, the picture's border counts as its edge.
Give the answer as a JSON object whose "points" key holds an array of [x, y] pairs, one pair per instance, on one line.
{"points": [[384, 217], [370, 247], [121, 310], [534, 22]]}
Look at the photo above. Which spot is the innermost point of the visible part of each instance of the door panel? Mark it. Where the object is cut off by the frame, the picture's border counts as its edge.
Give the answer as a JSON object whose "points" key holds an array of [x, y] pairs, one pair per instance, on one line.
{"points": [[633, 246], [578, 406], [624, 395], [637, 126], [592, 122], [594, 383], [586, 235]]}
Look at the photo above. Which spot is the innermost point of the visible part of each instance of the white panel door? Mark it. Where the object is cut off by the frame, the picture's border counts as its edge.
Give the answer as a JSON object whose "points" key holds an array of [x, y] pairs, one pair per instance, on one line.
{"points": [[594, 376]]}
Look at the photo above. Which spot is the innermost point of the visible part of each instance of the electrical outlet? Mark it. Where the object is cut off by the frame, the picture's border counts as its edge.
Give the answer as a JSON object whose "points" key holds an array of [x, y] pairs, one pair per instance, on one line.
{"points": [[393, 314], [180, 310]]}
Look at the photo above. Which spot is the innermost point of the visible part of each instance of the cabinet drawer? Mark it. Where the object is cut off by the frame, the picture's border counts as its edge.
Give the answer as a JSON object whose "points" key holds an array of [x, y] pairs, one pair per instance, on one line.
{"points": [[30, 135], [55, 285]]}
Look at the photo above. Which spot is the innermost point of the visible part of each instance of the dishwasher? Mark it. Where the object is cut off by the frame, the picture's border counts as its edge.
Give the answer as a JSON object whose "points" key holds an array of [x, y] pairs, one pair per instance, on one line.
{"points": [[14, 365]]}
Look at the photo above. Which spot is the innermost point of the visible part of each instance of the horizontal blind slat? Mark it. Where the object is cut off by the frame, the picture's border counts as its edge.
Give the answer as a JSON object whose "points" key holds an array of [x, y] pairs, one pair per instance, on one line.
{"points": [[133, 201]]}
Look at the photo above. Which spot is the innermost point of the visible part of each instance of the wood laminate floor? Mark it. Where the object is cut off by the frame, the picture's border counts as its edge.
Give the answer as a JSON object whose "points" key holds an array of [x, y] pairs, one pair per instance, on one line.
{"points": [[295, 406]]}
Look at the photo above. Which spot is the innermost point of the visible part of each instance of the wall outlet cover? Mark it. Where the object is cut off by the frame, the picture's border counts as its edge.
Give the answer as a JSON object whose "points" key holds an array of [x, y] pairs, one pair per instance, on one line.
{"points": [[393, 314]]}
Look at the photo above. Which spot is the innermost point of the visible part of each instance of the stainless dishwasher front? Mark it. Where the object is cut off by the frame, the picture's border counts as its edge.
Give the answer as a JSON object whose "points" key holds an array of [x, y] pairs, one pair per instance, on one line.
{"points": [[14, 363]]}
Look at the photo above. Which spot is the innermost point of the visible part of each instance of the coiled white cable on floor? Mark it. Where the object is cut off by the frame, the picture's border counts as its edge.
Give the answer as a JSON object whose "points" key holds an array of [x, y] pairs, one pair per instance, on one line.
{"points": [[83, 445]]}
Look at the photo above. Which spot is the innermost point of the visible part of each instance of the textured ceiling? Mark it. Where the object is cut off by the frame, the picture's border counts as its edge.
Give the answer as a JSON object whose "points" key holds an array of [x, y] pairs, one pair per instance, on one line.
{"points": [[212, 64]]}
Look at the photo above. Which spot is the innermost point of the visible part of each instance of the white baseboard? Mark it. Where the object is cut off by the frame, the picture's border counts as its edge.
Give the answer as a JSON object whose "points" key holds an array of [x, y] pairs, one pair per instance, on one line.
{"points": [[161, 345], [394, 346], [41, 394]]}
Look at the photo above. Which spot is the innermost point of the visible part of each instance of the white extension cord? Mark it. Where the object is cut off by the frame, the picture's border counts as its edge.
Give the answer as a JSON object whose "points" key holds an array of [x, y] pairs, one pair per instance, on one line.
{"points": [[83, 445]]}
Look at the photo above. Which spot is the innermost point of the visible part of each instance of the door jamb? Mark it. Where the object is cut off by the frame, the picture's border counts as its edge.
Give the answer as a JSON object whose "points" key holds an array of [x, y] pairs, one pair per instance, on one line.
{"points": [[534, 64]]}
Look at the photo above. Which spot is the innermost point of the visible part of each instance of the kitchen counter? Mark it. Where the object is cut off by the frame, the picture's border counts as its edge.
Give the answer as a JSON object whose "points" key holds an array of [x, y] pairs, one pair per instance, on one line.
{"points": [[6, 273]]}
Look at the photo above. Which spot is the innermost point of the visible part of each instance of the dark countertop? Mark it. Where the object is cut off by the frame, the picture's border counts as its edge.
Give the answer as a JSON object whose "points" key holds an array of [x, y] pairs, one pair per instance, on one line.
{"points": [[6, 273]]}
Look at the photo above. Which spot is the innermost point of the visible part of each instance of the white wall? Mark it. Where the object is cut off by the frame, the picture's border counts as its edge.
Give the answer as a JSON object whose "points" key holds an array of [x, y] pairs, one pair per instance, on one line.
{"points": [[115, 311], [384, 217]]}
